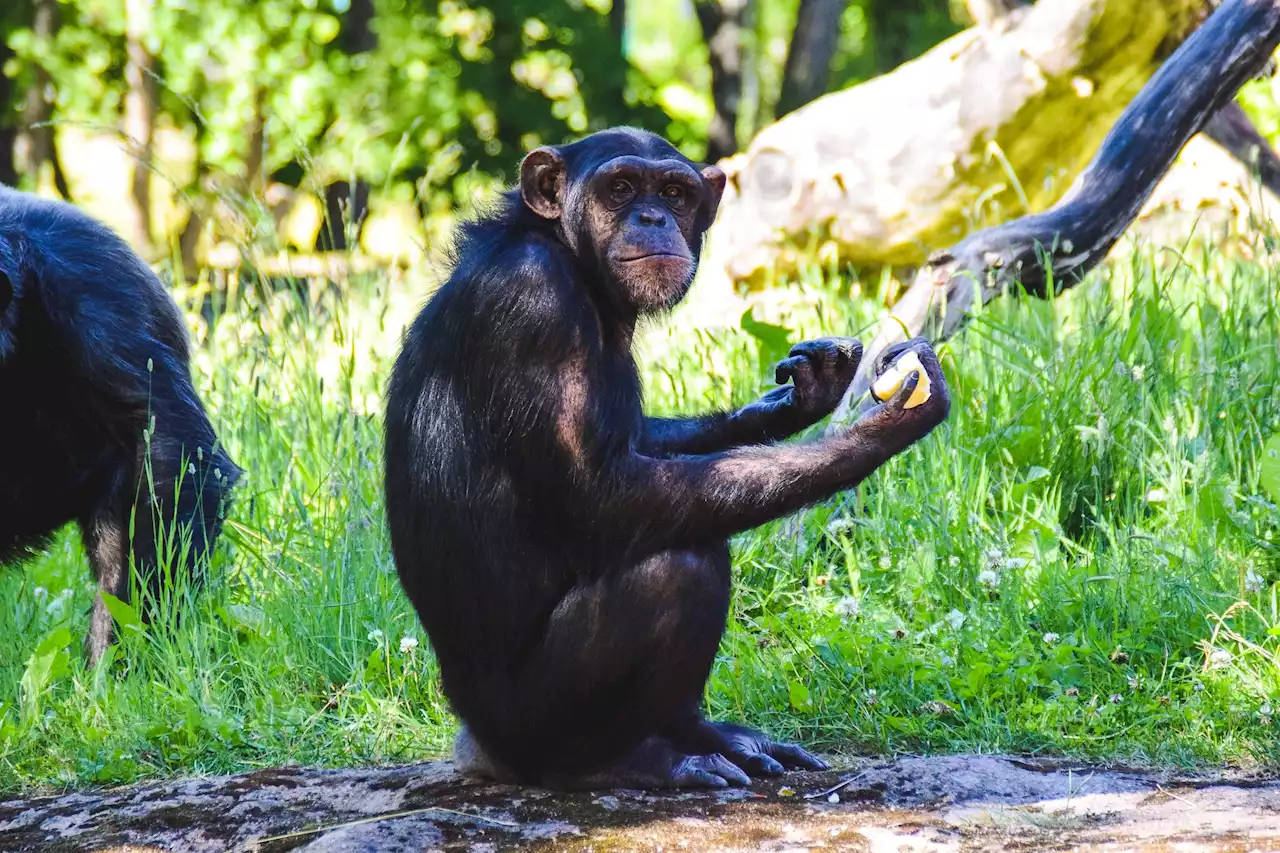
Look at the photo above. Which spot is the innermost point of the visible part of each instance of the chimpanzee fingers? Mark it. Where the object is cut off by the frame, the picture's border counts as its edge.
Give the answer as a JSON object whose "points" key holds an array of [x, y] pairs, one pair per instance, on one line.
{"points": [[799, 369], [785, 369], [893, 352], [793, 757], [899, 400], [840, 355]]}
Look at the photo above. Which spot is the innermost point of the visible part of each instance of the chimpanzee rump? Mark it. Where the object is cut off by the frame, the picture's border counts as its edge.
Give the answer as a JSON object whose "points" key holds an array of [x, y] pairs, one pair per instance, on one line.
{"points": [[566, 554], [95, 383]]}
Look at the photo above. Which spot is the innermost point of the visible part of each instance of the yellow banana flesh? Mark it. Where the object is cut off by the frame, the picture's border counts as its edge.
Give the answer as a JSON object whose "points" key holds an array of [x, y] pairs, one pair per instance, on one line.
{"points": [[891, 380]]}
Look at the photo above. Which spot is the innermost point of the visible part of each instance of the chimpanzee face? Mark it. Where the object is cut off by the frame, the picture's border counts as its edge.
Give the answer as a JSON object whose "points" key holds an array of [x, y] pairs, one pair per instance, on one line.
{"points": [[632, 207]]}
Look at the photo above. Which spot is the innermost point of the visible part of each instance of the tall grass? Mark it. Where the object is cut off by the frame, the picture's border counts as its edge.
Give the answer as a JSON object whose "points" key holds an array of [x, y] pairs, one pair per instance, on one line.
{"points": [[1083, 560]]}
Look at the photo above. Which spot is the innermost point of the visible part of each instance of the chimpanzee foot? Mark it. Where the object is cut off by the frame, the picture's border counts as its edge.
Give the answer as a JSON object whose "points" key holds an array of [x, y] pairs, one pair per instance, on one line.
{"points": [[757, 754], [656, 764]]}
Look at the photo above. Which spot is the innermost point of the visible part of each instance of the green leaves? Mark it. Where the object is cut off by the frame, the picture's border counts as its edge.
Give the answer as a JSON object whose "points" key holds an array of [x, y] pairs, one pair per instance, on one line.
{"points": [[124, 614], [47, 664], [1269, 468], [775, 341], [799, 695]]}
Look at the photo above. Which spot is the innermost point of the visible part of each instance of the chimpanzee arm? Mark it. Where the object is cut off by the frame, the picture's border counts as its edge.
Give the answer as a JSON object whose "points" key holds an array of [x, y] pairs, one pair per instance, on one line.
{"points": [[820, 371], [643, 504]]}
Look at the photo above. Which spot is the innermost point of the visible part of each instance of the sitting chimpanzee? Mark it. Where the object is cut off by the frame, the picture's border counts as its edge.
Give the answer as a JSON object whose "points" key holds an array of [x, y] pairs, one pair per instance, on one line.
{"points": [[101, 422], [566, 554]]}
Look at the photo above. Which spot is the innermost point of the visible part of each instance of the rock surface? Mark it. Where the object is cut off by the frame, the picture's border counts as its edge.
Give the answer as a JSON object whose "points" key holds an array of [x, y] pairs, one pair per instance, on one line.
{"points": [[949, 803]]}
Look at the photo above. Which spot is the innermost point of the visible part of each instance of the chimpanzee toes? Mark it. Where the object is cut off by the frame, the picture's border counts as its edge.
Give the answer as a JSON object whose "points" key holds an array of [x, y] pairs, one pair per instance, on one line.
{"points": [[708, 771], [758, 763], [796, 758]]}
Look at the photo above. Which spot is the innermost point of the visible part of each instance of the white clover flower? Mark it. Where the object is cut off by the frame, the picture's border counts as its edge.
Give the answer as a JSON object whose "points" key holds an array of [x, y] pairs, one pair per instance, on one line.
{"points": [[1168, 423], [1051, 638], [1265, 711], [1252, 581], [408, 644], [1014, 563], [40, 593], [1219, 658], [1156, 496], [886, 562], [1139, 373], [375, 636], [848, 607], [839, 525], [955, 619], [988, 579], [946, 660], [1116, 698], [995, 556], [953, 561]]}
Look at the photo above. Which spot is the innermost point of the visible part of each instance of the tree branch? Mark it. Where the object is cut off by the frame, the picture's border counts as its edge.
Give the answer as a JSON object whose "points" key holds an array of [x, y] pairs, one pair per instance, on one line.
{"points": [[1233, 130], [1064, 242]]}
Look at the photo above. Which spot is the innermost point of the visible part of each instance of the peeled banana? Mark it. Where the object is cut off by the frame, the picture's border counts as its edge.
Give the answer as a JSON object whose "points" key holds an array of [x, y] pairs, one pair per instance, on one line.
{"points": [[891, 380]]}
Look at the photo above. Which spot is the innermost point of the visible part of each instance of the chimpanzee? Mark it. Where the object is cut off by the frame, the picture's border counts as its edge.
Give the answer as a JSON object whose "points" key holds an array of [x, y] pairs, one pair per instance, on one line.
{"points": [[566, 554], [100, 414]]}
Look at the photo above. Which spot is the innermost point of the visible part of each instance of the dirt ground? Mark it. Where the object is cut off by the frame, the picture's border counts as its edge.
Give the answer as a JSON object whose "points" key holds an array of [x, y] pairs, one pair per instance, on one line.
{"points": [[921, 805]]}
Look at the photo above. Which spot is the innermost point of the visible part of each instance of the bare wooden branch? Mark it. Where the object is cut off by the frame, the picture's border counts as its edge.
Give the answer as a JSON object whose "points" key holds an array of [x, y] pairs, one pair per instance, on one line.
{"points": [[1064, 242], [1233, 130]]}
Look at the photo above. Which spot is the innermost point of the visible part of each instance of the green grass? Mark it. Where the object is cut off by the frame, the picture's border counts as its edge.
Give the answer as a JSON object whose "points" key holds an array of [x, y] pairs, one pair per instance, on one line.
{"points": [[1057, 569]]}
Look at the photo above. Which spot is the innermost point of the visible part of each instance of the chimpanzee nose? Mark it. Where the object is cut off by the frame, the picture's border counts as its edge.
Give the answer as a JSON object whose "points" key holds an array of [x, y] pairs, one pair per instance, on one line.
{"points": [[651, 216]]}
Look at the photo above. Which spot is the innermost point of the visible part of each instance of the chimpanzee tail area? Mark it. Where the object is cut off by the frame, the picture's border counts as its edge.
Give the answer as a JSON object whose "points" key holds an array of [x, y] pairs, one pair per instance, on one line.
{"points": [[568, 555], [101, 424]]}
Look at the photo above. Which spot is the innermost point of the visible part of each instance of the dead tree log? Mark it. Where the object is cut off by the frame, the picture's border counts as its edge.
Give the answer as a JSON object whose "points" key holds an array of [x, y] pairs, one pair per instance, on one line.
{"points": [[1061, 244], [992, 123]]}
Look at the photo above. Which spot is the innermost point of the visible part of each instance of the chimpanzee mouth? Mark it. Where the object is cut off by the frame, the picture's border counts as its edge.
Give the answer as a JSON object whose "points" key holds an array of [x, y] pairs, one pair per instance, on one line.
{"points": [[670, 256]]}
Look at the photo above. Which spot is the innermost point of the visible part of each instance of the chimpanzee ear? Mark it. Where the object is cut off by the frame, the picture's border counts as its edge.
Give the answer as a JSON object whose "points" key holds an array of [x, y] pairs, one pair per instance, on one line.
{"points": [[715, 178], [542, 182]]}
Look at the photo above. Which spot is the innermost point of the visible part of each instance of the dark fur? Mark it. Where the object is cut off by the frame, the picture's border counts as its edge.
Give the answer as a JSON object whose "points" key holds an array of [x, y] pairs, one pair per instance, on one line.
{"points": [[567, 555], [81, 318]]}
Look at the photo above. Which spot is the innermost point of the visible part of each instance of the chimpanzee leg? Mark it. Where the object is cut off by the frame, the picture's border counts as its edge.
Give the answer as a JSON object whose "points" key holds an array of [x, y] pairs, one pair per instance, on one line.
{"points": [[173, 506], [611, 695]]}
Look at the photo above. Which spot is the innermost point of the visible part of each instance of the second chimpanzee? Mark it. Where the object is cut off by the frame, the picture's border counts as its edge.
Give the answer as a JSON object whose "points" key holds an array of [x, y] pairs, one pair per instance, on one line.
{"points": [[566, 554], [101, 423]]}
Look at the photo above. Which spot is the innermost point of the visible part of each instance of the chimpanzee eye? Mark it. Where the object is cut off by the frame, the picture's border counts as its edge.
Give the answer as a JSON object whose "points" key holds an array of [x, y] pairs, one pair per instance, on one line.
{"points": [[674, 193], [620, 189]]}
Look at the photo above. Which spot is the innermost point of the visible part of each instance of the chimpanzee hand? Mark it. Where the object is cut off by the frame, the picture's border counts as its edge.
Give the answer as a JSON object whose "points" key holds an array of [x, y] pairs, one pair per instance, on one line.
{"points": [[909, 425], [820, 372]]}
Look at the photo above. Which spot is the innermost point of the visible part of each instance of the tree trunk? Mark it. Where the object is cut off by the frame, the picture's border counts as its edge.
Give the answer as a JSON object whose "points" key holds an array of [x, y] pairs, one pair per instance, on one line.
{"points": [[1063, 243], [903, 29], [813, 44], [139, 118], [618, 20], [35, 144], [8, 130], [722, 29]]}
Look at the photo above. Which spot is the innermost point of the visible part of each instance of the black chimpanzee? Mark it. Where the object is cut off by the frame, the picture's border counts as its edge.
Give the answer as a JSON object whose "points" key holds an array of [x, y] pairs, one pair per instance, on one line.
{"points": [[100, 417], [566, 554]]}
